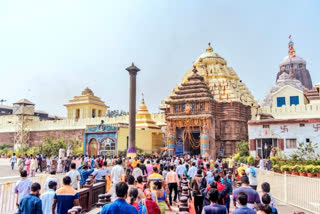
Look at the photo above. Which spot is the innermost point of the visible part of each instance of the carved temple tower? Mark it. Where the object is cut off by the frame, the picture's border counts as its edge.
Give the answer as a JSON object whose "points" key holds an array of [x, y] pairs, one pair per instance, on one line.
{"points": [[208, 113]]}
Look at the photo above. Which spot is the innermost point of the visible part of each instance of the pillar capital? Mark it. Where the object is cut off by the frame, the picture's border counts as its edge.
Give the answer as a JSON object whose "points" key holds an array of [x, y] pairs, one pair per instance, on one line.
{"points": [[133, 69]]}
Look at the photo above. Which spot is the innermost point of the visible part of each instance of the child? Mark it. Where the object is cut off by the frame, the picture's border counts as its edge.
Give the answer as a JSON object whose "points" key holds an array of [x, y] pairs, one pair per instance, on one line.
{"points": [[266, 199], [265, 187], [140, 185]]}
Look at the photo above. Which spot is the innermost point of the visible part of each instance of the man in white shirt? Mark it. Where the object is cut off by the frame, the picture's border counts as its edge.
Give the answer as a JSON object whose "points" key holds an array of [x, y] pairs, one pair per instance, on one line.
{"points": [[47, 198], [116, 173], [193, 170], [252, 175], [74, 175], [180, 169], [13, 160]]}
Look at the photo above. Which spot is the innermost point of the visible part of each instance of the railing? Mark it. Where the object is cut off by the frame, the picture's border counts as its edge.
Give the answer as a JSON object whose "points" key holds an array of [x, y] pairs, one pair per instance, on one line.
{"points": [[8, 196], [88, 196], [299, 191]]}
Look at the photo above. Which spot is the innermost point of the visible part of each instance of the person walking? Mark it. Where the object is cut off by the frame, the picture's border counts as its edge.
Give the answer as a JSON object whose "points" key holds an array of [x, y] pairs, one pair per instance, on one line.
{"points": [[242, 200], [253, 196], [116, 174], [196, 193], [31, 204], [65, 198], [136, 172], [47, 198], [133, 194], [99, 173], [51, 177], [13, 160], [160, 198], [172, 181], [193, 170], [33, 166], [214, 207], [119, 205], [252, 175], [74, 175], [39, 161], [23, 187]]}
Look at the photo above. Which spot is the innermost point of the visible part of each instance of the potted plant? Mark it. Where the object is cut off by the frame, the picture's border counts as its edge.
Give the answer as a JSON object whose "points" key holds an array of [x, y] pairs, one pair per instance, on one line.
{"points": [[284, 168], [289, 170], [276, 168], [302, 170], [295, 169], [317, 171], [310, 171]]}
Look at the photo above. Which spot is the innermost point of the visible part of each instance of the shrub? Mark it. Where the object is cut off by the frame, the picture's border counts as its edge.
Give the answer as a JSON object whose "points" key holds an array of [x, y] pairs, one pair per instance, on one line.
{"points": [[242, 160], [274, 160], [284, 168], [243, 148], [250, 160], [290, 168], [302, 168], [317, 169], [309, 168], [276, 168], [295, 168], [236, 157]]}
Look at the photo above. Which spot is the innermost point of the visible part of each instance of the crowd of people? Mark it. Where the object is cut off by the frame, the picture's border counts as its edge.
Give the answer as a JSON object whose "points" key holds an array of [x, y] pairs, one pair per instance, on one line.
{"points": [[146, 184]]}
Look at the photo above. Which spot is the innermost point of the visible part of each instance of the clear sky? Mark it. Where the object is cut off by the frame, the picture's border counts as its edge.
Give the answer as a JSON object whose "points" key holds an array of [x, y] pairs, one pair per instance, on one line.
{"points": [[51, 50]]}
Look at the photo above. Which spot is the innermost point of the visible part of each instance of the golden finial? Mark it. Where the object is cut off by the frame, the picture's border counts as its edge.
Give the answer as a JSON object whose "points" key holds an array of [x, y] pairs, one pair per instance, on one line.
{"points": [[142, 96], [209, 49]]}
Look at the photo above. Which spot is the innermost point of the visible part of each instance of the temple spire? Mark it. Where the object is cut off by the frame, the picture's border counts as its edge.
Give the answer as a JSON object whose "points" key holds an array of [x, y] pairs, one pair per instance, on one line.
{"points": [[209, 48]]}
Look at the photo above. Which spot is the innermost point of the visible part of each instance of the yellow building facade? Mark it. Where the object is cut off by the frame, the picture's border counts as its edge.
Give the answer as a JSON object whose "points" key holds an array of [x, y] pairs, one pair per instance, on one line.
{"points": [[87, 105]]}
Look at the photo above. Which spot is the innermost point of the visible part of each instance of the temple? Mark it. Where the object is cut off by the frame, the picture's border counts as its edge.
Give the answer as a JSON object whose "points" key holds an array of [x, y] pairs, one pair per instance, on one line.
{"points": [[208, 113], [87, 105]]}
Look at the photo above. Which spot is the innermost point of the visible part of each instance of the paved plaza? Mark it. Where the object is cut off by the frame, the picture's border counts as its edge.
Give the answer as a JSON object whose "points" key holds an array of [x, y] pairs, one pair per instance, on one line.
{"points": [[6, 174]]}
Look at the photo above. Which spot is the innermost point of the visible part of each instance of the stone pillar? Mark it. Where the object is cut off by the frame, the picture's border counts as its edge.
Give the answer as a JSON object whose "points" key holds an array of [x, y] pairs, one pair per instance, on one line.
{"points": [[133, 70], [204, 141], [171, 144]]}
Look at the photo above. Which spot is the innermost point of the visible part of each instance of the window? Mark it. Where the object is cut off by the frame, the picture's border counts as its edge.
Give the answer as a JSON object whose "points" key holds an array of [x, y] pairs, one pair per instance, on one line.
{"points": [[77, 113], [281, 101], [307, 140], [301, 125], [93, 113], [265, 126], [294, 100], [99, 113], [291, 143]]}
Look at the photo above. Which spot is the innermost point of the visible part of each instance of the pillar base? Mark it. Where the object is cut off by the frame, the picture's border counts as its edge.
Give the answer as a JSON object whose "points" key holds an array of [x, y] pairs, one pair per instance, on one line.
{"points": [[132, 152]]}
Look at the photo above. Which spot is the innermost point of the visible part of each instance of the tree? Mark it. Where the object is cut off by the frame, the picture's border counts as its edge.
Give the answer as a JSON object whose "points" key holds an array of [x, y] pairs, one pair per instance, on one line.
{"points": [[243, 148], [305, 151]]}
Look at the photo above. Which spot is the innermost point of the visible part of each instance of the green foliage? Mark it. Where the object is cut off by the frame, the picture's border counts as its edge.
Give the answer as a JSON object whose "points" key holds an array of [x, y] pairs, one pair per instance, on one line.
{"points": [[236, 157], [317, 169], [243, 148], [5, 146], [242, 160], [251, 160], [284, 168], [276, 168], [302, 168], [274, 160], [305, 151], [295, 168], [310, 169]]}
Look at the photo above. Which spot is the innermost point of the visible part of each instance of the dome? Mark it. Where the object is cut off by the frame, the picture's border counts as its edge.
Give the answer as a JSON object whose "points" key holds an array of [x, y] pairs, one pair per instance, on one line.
{"points": [[87, 92], [209, 57], [292, 60]]}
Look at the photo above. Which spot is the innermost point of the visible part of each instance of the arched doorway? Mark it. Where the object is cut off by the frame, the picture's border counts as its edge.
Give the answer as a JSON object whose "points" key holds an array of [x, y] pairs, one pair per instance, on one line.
{"points": [[107, 146], [93, 147]]}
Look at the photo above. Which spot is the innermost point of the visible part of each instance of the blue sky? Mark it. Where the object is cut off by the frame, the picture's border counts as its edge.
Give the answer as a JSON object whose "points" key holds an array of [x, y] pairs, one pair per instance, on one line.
{"points": [[51, 50]]}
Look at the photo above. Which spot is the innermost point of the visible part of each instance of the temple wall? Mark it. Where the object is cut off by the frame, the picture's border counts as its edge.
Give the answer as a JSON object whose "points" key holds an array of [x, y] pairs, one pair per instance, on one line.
{"points": [[37, 137], [9, 124], [292, 112]]}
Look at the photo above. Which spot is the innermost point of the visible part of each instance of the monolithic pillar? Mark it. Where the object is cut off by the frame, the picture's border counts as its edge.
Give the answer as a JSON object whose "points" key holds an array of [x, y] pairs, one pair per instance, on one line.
{"points": [[133, 70], [171, 139]]}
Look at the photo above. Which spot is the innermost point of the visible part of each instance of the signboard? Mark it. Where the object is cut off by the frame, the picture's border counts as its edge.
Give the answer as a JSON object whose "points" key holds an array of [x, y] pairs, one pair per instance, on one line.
{"points": [[179, 147]]}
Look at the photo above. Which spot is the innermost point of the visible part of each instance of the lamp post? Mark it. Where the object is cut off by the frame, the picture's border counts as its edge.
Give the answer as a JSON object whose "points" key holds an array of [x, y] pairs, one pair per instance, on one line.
{"points": [[133, 70]]}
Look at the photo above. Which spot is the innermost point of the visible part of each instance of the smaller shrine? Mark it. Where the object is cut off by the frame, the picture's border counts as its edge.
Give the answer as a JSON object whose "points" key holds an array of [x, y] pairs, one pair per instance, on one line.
{"points": [[87, 105], [100, 140]]}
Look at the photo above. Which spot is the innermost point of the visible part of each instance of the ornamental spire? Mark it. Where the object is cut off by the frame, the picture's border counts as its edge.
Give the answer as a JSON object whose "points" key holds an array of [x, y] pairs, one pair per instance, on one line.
{"points": [[291, 51], [209, 48]]}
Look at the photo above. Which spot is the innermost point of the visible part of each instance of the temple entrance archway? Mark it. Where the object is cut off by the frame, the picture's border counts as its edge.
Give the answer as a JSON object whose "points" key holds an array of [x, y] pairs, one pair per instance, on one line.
{"points": [[93, 147], [192, 142], [108, 146]]}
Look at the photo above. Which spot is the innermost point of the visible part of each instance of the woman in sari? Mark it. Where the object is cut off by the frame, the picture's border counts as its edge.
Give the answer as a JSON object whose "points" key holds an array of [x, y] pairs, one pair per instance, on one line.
{"points": [[186, 172], [133, 194], [160, 197], [151, 205]]}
